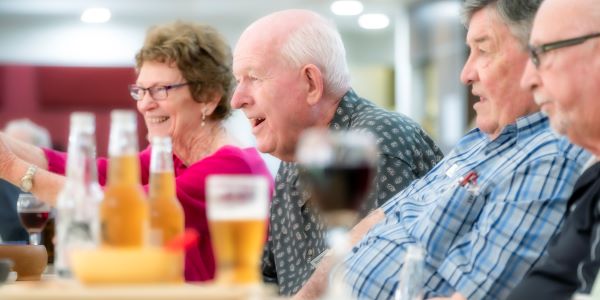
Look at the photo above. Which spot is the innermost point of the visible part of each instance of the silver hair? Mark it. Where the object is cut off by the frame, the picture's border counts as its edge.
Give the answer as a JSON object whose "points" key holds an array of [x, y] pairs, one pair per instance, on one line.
{"points": [[319, 43], [34, 134], [518, 15]]}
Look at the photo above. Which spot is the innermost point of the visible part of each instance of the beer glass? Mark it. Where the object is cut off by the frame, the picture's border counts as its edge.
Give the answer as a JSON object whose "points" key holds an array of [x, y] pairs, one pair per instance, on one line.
{"points": [[237, 207]]}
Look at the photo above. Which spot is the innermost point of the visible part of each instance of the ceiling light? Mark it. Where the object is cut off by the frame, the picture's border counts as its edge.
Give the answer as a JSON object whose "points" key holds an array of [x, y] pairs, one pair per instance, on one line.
{"points": [[373, 21], [95, 15], [346, 7]]}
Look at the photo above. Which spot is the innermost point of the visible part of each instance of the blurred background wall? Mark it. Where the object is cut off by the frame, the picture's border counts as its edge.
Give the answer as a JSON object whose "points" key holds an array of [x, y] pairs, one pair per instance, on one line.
{"points": [[52, 63]]}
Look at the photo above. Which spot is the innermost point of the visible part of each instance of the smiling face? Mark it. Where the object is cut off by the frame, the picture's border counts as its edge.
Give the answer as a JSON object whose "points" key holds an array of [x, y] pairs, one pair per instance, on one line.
{"points": [[565, 83], [175, 116], [272, 93], [493, 69]]}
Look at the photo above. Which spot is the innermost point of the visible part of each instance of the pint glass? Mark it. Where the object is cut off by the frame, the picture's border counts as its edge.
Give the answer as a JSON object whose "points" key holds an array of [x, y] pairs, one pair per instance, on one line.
{"points": [[237, 207]]}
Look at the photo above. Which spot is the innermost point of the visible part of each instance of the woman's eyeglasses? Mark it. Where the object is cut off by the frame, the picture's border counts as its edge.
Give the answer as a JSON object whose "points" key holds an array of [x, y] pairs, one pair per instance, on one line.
{"points": [[156, 92]]}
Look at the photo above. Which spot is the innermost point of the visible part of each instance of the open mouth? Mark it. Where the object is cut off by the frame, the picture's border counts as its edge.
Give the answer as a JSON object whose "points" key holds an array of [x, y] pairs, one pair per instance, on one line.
{"points": [[256, 121]]}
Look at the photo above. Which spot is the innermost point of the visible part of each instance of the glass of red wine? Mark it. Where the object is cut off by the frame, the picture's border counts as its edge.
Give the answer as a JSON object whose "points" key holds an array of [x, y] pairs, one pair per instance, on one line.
{"points": [[34, 215], [337, 169]]}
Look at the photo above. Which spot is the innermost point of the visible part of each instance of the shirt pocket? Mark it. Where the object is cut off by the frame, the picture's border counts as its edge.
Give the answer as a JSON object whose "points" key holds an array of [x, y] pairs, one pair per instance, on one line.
{"points": [[449, 218]]}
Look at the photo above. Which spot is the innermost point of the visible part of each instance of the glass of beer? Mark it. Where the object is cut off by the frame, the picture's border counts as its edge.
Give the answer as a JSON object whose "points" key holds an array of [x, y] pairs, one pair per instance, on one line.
{"points": [[237, 207]]}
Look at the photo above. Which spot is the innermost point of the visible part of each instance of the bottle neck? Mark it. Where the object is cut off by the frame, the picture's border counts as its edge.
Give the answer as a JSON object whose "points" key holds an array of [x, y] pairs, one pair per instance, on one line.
{"points": [[162, 186], [81, 162], [161, 159], [162, 181], [124, 170], [124, 165]]}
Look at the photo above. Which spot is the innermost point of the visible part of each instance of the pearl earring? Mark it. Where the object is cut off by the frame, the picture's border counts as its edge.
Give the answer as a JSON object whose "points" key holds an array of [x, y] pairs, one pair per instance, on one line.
{"points": [[203, 120]]}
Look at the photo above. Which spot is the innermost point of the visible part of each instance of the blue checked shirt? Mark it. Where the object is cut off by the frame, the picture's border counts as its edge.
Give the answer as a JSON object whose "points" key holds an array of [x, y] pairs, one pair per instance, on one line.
{"points": [[482, 236]]}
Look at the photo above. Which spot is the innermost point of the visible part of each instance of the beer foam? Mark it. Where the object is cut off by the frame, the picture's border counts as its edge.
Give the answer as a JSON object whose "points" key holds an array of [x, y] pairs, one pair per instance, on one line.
{"points": [[237, 197]]}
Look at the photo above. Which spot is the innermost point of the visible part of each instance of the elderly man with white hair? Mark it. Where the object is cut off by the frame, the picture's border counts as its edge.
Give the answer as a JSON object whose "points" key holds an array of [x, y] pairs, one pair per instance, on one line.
{"points": [[292, 74]]}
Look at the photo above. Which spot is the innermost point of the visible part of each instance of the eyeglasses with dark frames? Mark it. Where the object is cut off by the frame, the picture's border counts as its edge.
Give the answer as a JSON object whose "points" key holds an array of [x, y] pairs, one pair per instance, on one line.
{"points": [[536, 51], [156, 92]]}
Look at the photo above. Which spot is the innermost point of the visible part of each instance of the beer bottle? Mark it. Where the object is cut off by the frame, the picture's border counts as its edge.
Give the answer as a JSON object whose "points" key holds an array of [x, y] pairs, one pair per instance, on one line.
{"points": [[124, 213], [166, 214], [77, 204]]}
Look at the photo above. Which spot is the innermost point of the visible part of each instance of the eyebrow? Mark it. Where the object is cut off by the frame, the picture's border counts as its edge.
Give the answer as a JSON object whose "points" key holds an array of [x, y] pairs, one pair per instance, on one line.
{"points": [[482, 39]]}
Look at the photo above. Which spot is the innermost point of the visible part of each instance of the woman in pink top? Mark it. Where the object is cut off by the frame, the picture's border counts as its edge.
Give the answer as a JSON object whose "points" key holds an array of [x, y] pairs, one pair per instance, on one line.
{"points": [[182, 90]]}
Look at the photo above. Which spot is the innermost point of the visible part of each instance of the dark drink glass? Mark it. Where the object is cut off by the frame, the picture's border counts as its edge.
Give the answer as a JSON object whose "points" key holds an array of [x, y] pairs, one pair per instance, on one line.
{"points": [[34, 221], [337, 169], [34, 215]]}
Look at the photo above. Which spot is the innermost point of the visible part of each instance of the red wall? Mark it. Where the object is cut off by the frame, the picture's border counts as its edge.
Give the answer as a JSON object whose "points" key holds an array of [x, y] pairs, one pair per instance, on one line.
{"points": [[47, 95]]}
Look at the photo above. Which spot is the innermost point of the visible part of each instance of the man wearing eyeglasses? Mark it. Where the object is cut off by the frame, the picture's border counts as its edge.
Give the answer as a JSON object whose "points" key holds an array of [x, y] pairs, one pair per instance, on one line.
{"points": [[564, 76]]}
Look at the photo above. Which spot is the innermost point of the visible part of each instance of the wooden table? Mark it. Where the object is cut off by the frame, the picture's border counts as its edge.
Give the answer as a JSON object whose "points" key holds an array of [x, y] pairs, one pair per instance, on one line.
{"points": [[66, 290]]}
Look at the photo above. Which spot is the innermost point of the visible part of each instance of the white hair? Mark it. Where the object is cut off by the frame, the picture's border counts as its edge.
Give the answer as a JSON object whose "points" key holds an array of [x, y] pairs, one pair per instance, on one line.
{"points": [[29, 132], [320, 43]]}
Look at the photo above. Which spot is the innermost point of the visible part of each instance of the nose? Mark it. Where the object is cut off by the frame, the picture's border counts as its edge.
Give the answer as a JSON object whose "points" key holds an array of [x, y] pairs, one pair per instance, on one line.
{"points": [[146, 103], [469, 74], [240, 97], [530, 79]]}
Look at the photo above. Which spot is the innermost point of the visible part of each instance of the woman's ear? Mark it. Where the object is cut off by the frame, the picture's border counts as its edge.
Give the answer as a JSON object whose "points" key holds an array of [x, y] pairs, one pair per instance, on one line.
{"points": [[314, 80], [212, 100]]}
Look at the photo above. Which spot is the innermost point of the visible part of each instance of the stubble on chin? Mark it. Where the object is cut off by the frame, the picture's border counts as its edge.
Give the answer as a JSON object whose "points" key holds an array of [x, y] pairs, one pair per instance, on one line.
{"points": [[559, 125]]}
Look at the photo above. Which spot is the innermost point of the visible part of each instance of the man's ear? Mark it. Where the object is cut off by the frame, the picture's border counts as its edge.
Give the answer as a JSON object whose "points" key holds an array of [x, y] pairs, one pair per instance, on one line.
{"points": [[314, 79]]}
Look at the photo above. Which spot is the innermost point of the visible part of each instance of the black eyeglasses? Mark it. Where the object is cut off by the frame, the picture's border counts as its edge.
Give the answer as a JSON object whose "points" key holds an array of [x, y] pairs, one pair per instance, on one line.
{"points": [[536, 51], [156, 92]]}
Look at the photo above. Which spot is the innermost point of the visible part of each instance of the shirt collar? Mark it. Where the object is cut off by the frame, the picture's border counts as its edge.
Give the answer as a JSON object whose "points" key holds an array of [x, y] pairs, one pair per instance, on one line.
{"points": [[523, 127], [341, 119]]}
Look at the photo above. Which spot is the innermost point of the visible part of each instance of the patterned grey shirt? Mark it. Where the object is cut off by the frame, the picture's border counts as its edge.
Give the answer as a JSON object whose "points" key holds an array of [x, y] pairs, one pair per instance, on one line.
{"points": [[296, 234]]}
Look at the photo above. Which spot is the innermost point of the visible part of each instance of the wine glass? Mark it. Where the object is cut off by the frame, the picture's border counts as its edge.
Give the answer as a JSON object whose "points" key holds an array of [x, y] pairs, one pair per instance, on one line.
{"points": [[337, 168], [34, 215]]}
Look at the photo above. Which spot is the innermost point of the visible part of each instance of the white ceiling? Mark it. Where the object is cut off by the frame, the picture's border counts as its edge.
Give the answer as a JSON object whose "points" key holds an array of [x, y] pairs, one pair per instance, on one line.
{"points": [[49, 31]]}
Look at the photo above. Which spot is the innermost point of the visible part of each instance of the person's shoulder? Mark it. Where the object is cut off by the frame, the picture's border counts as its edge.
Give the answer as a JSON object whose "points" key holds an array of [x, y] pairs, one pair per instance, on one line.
{"points": [[368, 112], [544, 138], [545, 142], [236, 159], [232, 153]]}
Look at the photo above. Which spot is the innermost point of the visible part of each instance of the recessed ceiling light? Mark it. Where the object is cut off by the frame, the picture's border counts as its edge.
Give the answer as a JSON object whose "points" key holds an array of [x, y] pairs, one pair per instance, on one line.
{"points": [[95, 15], [373, 21], [346, 7]]}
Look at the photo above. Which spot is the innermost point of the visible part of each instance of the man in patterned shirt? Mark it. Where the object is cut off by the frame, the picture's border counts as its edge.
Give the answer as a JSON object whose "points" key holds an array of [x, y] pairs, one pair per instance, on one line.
{"points": [[485, 213], [292, 75]]}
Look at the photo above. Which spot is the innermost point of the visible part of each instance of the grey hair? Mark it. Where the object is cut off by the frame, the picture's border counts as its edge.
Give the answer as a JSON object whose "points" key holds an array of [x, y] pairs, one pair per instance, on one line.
{"points": [[319, 43], [518, 15], [34, 133]]}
